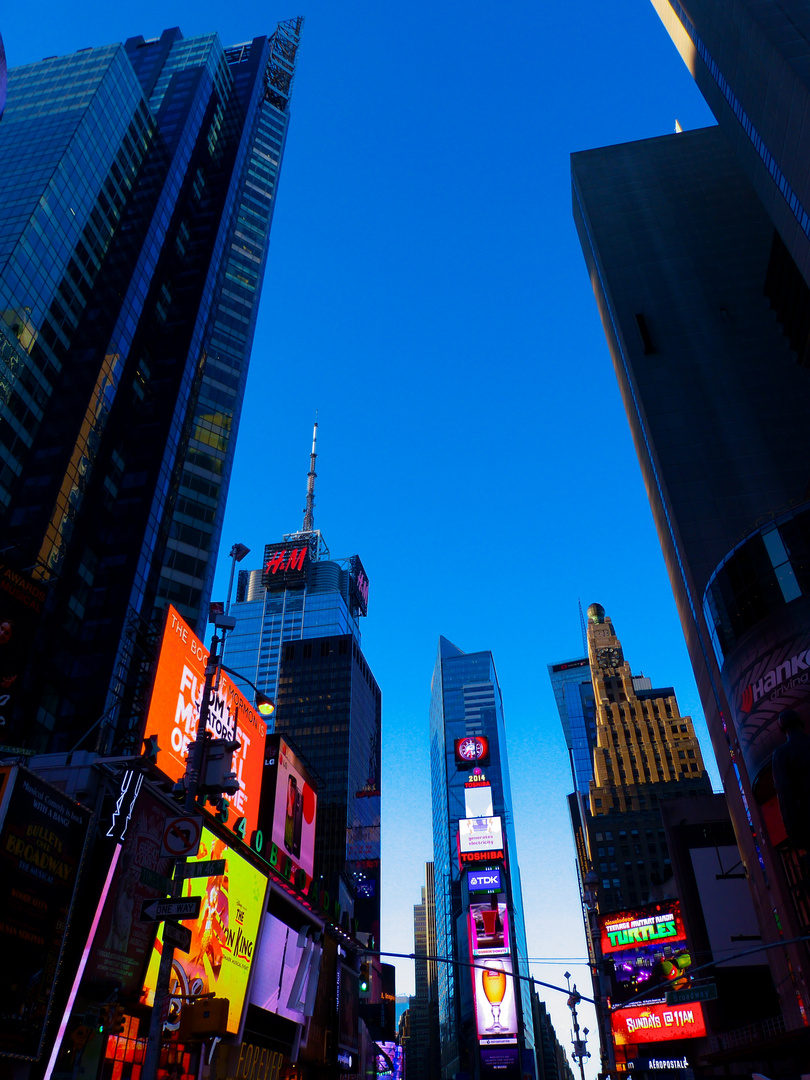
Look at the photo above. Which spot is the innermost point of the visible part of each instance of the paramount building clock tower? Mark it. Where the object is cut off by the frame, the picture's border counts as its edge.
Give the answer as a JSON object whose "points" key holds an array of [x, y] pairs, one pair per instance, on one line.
{"points": [[645, 752]]}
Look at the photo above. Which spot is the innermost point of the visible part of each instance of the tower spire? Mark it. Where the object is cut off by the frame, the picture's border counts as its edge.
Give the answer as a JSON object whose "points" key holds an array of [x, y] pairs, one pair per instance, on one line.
{"points": [[309, 511]]}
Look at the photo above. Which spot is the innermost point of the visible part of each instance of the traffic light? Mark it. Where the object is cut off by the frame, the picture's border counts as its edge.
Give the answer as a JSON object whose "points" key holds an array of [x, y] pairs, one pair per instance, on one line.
{"points": [[365, 977], [117, 1020], [105, 1015], [216, 774]]}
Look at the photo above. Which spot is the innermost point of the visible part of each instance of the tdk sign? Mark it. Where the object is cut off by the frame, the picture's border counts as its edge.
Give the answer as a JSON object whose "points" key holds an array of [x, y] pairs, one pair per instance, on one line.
{"points": [[484, 880]]}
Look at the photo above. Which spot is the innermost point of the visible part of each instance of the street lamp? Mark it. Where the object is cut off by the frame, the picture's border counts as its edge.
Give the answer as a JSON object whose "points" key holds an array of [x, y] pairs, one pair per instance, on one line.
{"points": [[580, 1051]]}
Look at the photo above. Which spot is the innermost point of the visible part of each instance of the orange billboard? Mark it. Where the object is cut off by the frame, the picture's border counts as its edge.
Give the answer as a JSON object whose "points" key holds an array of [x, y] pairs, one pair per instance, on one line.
{"points": [[174, 711]]}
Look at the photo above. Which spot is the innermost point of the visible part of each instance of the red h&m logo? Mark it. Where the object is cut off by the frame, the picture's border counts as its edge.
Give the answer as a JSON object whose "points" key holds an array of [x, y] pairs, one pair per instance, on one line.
{"points": [[286, 560]]}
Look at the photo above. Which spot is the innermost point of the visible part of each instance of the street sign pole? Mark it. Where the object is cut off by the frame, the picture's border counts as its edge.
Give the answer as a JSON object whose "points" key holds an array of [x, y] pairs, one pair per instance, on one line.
{"points": [[191, 779]]}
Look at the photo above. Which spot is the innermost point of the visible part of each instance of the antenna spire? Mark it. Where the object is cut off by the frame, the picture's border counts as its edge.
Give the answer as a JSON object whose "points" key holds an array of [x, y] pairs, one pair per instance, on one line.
{"points": [[309, 511], [583, 628]]}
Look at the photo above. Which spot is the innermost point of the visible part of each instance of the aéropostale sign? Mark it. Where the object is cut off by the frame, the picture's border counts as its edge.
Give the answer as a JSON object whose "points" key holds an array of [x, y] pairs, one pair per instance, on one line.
{"points": [[174, 710], [41, 843]]}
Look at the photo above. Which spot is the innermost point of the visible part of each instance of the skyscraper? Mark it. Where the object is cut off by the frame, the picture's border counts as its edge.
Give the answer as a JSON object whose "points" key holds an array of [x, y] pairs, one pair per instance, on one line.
{"points": [[473, 830], [573, 693], [422, 1061], [136, 199], [297, 637], [697, 246], [645, 753]]}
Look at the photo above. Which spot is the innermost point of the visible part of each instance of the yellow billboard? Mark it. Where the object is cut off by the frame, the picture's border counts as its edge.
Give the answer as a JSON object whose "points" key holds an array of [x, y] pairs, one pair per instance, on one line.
{"points": [[223, 936]]}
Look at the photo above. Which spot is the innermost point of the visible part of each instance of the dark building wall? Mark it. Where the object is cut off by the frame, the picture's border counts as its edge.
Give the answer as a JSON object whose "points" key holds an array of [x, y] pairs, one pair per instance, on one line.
{"points": [[329, 705], [132, 249], [677, 247], [751, 61]]}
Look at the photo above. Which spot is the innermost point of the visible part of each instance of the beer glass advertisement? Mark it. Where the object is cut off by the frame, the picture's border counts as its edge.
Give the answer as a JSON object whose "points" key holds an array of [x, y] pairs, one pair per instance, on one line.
{"points": [[123, 943], [289, 805], [41, 844], [495, 1005], [480, 834], [657, 1022], [174, 710], [223, 937], [286, 977], [489, 929]]}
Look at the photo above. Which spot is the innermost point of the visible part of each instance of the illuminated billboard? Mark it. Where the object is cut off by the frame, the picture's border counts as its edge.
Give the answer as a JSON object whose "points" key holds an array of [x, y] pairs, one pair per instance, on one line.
{"points": [[657, 1022], [480, 834], [289, 804], [484, 880], [285, 565], [223, 936], [286, 977], [651, 924], [359, 584], [496, 1015], [478, 800], [471, 749], [489, 929], [649, 949], [174, 710]]}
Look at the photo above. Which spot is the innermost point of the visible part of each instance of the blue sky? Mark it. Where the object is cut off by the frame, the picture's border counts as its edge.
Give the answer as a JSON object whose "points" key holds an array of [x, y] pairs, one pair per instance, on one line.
{"points": [[426, 294]]}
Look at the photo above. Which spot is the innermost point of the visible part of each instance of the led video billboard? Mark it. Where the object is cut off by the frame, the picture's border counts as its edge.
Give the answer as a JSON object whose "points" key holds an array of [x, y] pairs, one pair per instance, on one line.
{"points": [[496, 1015], [480, 834], [471, 750], [649, 949], [478, 800], [286, 977], [174, 710], [657, 1022], [289, 804], [223, 936], [488, 880], [489, 929]]}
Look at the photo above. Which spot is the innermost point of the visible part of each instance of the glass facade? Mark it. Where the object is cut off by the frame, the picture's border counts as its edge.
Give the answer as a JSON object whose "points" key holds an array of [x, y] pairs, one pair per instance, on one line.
{"points": [[466, 700], [300, 645], [137, 195], [573, 693]]}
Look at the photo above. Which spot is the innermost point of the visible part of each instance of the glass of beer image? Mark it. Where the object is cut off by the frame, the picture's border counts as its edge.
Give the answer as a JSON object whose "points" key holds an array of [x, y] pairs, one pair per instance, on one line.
{"points": [[493, 981]]}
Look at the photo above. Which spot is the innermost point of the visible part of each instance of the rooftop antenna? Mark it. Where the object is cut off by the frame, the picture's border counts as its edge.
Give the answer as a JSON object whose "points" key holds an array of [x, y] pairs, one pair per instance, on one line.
{"points": [[583, 628], [309, 511]]}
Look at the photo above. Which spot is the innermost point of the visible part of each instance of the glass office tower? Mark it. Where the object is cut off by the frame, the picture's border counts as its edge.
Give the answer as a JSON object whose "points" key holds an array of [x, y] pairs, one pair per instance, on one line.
{"points": [[297, 638], [466, 708], [136, 197], [573, 693]]}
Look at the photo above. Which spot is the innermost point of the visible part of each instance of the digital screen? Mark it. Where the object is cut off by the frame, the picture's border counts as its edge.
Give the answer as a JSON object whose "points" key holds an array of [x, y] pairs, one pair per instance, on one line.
{"points": [[495, 1006], [390, 1060], [484, 880], [174, 710], [286, 977], [480, 834], [359, 584], [289, 804], [489, 929], [500, 1063], [223, 937], [649, 950], [657, 1022], [471, 749], [652, 924], [478, 800]]}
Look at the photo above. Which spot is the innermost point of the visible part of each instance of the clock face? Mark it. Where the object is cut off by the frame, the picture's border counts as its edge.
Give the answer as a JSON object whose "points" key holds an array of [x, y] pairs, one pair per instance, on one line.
{"points": [[472, 748], [609, 658]]}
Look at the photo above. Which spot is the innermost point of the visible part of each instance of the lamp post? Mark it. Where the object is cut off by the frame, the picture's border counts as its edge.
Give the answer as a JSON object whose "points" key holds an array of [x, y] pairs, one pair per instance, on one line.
{"points": [[580, 1051]]}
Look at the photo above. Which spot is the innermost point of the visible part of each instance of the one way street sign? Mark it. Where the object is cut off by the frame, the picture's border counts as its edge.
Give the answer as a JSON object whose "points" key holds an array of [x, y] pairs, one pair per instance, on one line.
{"points": [[158, 910]]}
